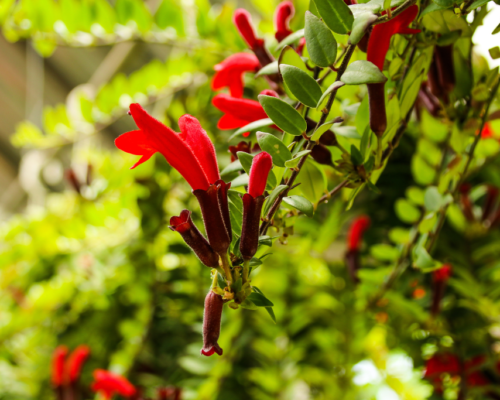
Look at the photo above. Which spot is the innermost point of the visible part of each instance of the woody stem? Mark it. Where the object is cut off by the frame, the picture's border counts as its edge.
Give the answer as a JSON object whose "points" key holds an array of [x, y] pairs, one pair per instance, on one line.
{"points": [[227, 269]]}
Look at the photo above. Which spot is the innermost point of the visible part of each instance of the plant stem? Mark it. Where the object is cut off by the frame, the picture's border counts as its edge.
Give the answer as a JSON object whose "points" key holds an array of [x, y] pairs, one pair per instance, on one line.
{"points": [[227, 269], [395, 13], [246, 270], [267, 221]]}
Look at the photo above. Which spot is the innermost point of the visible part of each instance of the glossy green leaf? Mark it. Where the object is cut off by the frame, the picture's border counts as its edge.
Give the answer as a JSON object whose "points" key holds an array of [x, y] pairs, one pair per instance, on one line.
{"points": [[235, 166], [268, 69], [321, 44], [303, 86], [260, 300], [336, 14], [245, 160], [272, 198], [300, 203], [283, 115], [406, 211], [360, 26], [360, 72], [275, 147]]}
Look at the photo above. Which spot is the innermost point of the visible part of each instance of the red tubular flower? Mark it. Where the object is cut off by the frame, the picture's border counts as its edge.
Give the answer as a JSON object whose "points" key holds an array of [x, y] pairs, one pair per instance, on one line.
{"points": [[58, 360], [215, 210], [440, 278], [261, 165], [239, 112], [109, 384], [378, 45], [252, 204], [211, 324], [75, 363], [355, 235], [243, 21], [190, 152], [194, 239], [284, 13], [230, 72]]}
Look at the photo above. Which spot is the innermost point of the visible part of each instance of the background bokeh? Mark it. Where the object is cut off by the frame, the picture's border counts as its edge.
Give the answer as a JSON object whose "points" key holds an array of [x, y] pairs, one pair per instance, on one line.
{"points": [[86, 256]]}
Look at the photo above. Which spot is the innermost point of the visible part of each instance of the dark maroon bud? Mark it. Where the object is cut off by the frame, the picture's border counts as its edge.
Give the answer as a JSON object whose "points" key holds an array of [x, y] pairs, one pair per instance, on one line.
{"points": [[241, 146], [433, 80], [444, 64], [74, 181], [211, 324], [363, 43], [169, 393], [466, 203], [429, 101], [249, 242], [224, 206], [352, 261], [321, 155], [213, 216], [378, 117], [439, 280], [489, 202], [194, 239], [328, 139]]}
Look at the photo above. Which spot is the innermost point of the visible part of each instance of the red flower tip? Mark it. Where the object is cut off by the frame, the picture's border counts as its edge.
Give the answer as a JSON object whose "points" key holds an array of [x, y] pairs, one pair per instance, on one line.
{"points": [[300, 47], [284, 13], [109, 384], [442, 274], [230, 72], [75, 363], [191, 152], [238, 112], [243, 21], [355, 235], [58, 359], [261, 165], [181, 223], [381, 35], [269, 92]]}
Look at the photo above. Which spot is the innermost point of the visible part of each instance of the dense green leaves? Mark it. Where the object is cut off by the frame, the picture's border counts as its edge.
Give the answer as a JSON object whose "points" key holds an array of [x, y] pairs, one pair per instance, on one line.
{"points": [[283, 115], [321, 44]]}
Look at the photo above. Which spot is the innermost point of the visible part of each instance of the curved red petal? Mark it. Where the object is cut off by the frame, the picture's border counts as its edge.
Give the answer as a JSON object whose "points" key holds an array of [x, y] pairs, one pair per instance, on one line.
{"points": [[75, 363], [243, 22], [284, 13], [355, 235], [178, 154], [201, 145], [229, 122], [58, 359]]}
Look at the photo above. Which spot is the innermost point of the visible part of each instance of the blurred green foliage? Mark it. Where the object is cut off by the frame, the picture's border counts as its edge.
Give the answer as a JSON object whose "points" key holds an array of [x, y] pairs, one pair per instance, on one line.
{"points": [[101, 267]]}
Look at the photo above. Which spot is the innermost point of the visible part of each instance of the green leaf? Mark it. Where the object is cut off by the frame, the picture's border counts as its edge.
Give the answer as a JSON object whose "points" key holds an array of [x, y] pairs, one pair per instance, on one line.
{"points": [[221, 281], [291, 38], [302, 86], [289, 56], [275, 147], [334, 86], [321, 44], [423, 260], [272, 198], [245, 160], [360, 26], [312, 180], [336, 14], [260, 300], [268, 309], [240, 181], [266, 240], [387, 4], [384, 252], [235, 166], [283, 115], [356, 157], [477, 4], [300, 203], [322, 129], [360, 72], [406, 211], [496, 30], [269, 69], [432, 199], [494, 52], [252, 126], [296, 158]]}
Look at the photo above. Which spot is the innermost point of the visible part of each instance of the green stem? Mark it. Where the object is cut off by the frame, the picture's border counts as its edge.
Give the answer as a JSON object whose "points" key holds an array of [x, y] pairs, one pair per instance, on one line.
{"points": [[227, 269], [378, 159], [214, 278], [246, 271]]}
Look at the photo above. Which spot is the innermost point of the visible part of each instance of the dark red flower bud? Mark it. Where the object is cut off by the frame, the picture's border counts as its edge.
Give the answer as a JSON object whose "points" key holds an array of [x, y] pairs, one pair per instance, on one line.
{"points": [[211, 324], [433, 81], [230, 72], [321, 155], [328, 139], [249, 241], [75, 363], [378, 116], [444, 64], [490, 202], [169, 393], [259, 171], [353, 264], [194, 239], [58, 361], [284, 13], [440, 278], [215, 211], [355, 235], [241, 146]]}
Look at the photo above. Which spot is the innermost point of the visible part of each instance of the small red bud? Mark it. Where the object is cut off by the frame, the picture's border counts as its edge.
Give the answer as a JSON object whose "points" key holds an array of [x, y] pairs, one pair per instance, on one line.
{"points": [[284, 13], [243, 21], [378, 117], [259, 171]]}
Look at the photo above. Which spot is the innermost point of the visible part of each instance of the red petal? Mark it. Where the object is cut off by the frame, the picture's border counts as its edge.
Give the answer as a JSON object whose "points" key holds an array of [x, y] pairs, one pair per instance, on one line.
{"points": [[229, 122], [261, 165], [178, 154], [356, 231], [201, 145], [242, 109], [75, 363], [58, 365], [283, 15], [243, 21]]}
